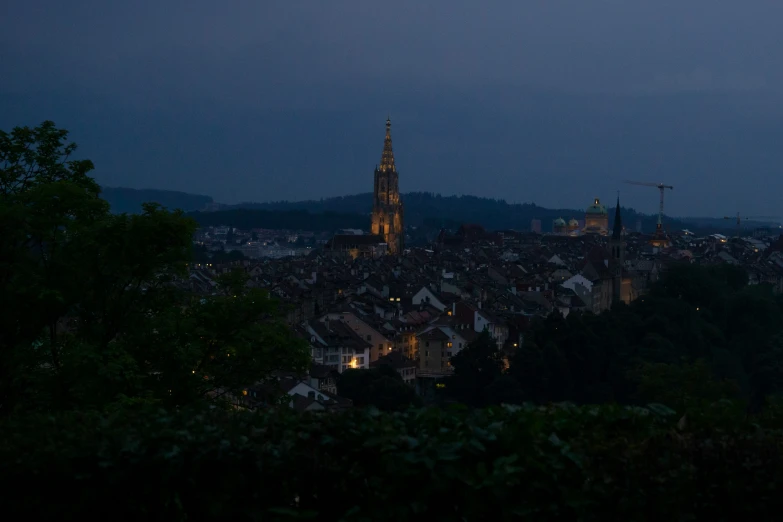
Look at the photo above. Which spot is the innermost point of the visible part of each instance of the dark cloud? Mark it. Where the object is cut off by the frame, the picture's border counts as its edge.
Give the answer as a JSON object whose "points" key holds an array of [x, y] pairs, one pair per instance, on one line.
{"points": [[548, 101]]}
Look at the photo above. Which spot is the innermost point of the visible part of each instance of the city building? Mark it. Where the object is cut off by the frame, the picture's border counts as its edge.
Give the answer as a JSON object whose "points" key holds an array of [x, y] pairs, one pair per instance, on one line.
{"points": [[535, 226], [596, 219], [387, 212], [559, 226]]}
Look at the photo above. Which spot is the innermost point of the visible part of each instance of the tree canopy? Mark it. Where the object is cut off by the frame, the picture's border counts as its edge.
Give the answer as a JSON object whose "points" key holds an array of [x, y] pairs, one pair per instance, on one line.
{"points": [[101, 309], [380, 387], [701, 332]]}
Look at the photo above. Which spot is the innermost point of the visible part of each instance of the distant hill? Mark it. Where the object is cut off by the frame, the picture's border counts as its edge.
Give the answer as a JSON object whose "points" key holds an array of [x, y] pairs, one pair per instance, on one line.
{"points": [[426, 209], [129, 200], [422, 209], [247, 218]]}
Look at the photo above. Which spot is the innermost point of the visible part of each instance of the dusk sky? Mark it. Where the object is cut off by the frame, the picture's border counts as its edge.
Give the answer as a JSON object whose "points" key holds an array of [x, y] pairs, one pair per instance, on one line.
{"points": [[552, 101]]}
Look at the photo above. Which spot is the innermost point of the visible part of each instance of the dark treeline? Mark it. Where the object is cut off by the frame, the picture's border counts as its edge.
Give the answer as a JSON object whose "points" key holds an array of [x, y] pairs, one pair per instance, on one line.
{"points": [[701, 335], [422, 209], [493, 214], [122, 199]]}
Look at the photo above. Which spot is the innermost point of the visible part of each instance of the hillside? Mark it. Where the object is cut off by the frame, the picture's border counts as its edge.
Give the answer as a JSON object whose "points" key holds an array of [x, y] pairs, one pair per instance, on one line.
{"points": [[129, 200], [422, 208]]}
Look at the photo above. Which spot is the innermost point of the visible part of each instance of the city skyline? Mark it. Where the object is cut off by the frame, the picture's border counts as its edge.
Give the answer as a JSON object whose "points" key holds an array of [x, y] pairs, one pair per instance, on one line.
{"points": [[547, 104]]}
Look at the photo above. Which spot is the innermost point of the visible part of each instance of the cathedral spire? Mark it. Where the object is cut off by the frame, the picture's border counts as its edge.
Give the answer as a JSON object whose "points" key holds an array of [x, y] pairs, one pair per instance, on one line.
{"points": [[617, 231], [387, 157]]}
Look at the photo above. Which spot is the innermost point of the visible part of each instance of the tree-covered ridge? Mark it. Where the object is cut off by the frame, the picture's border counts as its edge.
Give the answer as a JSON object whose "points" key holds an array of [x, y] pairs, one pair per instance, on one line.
{"points": [[131, 201], [493, 214], [421, 209]]}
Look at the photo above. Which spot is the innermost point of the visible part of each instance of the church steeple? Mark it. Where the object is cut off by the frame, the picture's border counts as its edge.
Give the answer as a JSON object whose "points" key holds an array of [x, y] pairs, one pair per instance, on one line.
{"points": [[387, 157], [387, 218], [617, 231]]}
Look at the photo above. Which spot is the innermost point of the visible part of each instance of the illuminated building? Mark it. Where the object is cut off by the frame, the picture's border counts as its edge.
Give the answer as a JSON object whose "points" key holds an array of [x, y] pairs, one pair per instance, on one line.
{"points": [[596, 219], [387, 214], [559, 226]]}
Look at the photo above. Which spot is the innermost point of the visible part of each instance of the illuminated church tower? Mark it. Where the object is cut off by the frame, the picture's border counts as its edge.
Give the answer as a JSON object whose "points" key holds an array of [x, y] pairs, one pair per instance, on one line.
{"points": [[387, 205]]}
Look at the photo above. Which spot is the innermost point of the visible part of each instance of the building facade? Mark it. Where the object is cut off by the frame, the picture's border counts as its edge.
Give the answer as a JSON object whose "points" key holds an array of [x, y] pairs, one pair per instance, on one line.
{"points": [[387, 214], [596, 219]]}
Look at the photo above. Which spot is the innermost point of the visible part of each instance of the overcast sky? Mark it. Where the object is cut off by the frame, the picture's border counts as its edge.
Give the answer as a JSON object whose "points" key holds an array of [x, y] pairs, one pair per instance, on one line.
{"points": [[551, 101]]}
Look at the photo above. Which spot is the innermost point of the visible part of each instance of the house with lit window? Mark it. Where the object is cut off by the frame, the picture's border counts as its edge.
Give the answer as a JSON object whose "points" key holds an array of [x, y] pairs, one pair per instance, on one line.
{"points": [[337, 345], [435, 351], [404, 366], [291, 391], [480, 320], [381, 344]]}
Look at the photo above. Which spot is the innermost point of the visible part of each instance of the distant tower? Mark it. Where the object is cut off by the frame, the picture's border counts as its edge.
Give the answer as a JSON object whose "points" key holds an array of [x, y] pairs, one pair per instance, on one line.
{"points": [[617, 250], [535, 226], [387, 205]]}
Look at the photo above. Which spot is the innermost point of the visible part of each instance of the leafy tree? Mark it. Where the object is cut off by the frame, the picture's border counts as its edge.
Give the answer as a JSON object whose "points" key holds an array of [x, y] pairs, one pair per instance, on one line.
{"points": [[381, 387], [684, 387], [98, 313], [352, 382], [390, 394], [636, 353], [505, 390], [476, 366]]}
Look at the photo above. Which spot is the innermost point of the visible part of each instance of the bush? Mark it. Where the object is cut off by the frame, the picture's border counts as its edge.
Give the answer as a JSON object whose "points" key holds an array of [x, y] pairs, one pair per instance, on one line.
{"points": [[556, 463]]}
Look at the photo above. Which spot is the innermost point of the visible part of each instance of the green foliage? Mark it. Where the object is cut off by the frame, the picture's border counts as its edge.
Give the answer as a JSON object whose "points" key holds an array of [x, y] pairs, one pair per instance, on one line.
{"points": [[683, 387], [98, 317], [381, 387], [701, 334], [504, 390], [521, 463], [476, 366]]}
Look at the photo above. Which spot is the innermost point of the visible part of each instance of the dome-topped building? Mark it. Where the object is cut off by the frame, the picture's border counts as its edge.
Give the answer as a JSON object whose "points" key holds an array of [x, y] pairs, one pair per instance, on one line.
{"points": [[596, 219], [559, 226]]}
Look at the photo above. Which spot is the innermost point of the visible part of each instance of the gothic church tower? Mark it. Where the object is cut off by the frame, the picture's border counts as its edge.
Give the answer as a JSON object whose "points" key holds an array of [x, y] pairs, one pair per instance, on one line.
{"points": [[387, 205]]}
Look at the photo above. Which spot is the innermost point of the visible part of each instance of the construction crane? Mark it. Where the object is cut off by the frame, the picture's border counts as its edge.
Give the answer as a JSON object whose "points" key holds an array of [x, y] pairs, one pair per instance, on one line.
{"points": [[659, 186], [740, 219]]}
